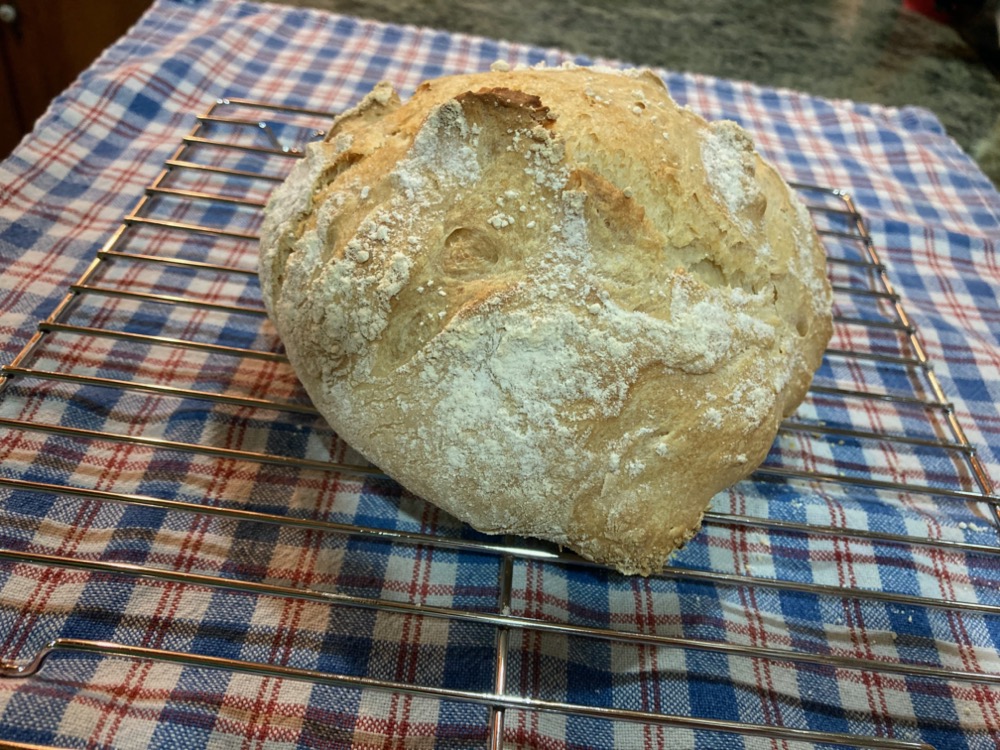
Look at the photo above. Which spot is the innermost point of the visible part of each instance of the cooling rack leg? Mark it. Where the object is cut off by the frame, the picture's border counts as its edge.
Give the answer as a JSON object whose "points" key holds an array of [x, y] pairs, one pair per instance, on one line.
{"points": [[978, 471], [503, 642]]}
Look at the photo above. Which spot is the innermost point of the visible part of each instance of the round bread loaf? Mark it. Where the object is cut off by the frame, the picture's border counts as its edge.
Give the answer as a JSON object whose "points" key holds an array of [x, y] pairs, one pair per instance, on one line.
{"points": [[550, 301]]}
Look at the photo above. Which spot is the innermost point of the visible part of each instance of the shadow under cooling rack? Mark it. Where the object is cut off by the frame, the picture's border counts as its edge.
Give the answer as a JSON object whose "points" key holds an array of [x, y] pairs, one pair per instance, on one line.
{"points": [[153, 435]]}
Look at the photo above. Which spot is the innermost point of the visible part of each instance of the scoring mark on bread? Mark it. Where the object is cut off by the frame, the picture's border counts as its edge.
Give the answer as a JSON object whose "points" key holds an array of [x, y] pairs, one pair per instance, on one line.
{"points": [[470, 251], [511, 99]]}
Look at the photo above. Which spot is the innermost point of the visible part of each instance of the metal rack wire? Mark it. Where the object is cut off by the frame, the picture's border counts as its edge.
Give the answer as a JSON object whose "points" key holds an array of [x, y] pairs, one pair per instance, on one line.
{"points": [[178, 276]]}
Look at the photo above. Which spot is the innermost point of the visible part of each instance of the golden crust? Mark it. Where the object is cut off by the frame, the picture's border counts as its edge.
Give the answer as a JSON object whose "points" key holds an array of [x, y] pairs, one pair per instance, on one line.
{"points": [[550, 301]]}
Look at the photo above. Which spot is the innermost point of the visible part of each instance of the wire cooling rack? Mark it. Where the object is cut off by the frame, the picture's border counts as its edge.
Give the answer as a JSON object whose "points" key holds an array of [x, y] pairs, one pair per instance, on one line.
{"points": [[166, 325]]}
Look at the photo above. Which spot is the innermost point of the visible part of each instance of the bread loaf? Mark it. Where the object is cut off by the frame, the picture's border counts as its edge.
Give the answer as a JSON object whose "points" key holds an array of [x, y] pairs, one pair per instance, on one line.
{"points": [[550, 301]]}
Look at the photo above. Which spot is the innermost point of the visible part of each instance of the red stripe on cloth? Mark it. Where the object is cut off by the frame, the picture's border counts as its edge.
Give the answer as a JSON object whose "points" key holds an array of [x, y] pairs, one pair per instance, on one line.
{"points": [[965, 647], [409, 648], [874, 682], [644, 621], [116, 710], [744, 551]]}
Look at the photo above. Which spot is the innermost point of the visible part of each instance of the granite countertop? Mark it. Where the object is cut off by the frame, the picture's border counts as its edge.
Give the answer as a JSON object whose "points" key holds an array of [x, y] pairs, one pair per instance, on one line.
{"points": [[865, 50]]}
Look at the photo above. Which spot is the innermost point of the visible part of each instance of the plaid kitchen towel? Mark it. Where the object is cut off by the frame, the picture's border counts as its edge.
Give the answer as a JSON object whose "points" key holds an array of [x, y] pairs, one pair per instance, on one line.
{"points": [[851, 589]]}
